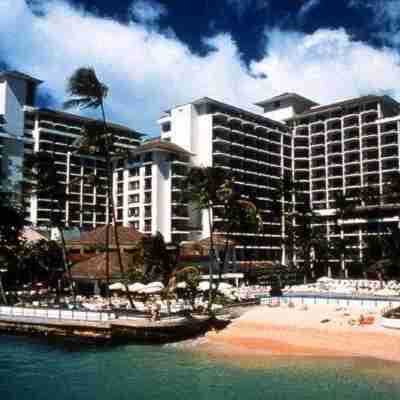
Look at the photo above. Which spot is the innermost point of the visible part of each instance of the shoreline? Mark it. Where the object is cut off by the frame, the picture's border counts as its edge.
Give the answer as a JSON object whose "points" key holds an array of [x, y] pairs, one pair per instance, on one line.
{"points": [[283, 332]]}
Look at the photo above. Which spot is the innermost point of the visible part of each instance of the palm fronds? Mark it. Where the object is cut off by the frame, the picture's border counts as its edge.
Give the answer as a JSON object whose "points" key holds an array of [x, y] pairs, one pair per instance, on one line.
{"points": [[85, 89]]}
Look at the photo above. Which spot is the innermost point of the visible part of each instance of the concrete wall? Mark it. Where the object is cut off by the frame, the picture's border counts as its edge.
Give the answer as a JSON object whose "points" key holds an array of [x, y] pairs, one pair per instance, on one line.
{"points": [[280, 114], [182, 125], [162, 196], [12, 99]]}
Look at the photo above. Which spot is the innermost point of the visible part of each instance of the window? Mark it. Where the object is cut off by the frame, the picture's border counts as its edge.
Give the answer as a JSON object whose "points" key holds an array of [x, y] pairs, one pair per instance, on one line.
{"points": [[135, 225], [134, 172], [147, 197], [134, 185], [134, 212], [147, 184], [147, 212], [133, 198], [166, 126], [148, 170]]}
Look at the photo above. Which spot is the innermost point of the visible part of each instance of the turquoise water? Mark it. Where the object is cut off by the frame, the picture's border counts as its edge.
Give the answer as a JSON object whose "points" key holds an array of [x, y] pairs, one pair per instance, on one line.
{"points": [[35, 369]]}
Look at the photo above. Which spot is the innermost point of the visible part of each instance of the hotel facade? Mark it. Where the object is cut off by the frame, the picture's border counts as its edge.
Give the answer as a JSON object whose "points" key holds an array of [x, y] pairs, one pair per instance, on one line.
{"points": [[340, 147]]}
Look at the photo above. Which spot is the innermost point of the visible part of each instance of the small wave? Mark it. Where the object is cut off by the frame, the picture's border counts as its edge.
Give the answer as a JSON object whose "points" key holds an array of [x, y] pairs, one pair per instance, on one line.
{"points": [[187, 344]]}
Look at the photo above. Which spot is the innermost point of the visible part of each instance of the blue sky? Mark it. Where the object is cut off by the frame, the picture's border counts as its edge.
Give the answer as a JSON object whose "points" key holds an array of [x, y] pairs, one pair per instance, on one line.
{"points": [[154, 54]]}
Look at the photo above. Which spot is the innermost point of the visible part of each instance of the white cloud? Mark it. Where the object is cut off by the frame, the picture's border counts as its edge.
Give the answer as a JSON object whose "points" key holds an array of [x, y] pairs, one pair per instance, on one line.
{"points": [[148, 71], [147, 11], [306, 8]]}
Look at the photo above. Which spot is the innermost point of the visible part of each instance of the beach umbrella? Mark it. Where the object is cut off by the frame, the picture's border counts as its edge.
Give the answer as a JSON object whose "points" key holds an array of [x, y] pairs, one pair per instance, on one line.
{"points": [[225, 286], [181, 285], [151, 289], [155, 284], [136, 287], [117, 286], [324, 279], [204, 286]]}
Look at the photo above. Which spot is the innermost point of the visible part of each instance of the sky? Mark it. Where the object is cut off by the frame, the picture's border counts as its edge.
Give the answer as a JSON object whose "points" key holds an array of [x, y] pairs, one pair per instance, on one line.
{"points": [[156, 54]]}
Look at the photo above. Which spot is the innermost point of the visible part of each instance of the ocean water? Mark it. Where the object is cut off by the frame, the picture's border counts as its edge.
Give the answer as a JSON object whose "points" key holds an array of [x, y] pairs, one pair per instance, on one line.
{"points": [[36, 369]]}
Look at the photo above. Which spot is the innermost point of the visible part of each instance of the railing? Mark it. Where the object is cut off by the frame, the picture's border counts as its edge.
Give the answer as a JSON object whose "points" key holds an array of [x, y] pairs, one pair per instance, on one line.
{"points": [[339, 301], [56, 314]]}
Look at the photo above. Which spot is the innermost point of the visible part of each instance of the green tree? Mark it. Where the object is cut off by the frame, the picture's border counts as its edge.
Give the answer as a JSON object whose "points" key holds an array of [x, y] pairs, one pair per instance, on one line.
{"points": [[12, 222], [44, 182], [204, 187], [344, 209], [306, 236], [214, 191], [86, 91]]}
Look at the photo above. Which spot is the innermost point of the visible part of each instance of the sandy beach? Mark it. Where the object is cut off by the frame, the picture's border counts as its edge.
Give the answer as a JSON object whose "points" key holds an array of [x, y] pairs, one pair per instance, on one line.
{"points": [[320, 330]]}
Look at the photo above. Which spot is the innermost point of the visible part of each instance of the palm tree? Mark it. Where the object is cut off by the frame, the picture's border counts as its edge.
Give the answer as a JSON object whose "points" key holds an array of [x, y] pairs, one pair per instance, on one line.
{"points": [[12, 222], [44, 182], [343, 209], [204, 187], [86, 91]]}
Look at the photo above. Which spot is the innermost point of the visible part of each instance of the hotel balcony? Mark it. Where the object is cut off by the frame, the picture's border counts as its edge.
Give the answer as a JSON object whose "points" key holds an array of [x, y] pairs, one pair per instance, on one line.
{"points": [[301, 130], [389, 127], [334, 136], [301, 142], [369, 116], [351, 120], [389, 138], [317, 128], [334, 123], [369, 130]]}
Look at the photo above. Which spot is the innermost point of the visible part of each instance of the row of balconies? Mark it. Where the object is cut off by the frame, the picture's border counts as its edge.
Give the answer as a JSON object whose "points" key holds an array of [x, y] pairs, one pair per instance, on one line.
{"points": [[240, 135], [251, 154], [60, 127], [338, 116], [246, 125], [264, 147]]}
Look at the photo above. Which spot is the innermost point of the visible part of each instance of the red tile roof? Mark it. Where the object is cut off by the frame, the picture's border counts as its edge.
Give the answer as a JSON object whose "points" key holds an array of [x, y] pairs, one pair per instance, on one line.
{"points": [[95, 267], [127, 237]]}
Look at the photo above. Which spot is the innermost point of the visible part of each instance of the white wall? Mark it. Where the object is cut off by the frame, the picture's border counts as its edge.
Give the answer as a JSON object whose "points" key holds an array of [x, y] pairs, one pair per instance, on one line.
{"points": [[280, 114], [182, 125], [12, 99], [162, 196], [2, 97]]}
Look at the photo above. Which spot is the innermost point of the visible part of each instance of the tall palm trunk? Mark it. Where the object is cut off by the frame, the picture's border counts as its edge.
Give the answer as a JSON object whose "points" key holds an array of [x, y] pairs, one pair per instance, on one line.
{"points": [[211, 263], [112, 217], [65, 262], [2, 292]]}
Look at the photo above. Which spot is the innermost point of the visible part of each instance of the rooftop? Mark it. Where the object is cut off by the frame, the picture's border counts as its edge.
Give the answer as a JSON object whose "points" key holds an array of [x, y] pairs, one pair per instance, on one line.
{"points": [[95, 267], [127, 237], [351, 102], [285, 96], [20, 75], [80, 119], [250, 115], [160, 145]]}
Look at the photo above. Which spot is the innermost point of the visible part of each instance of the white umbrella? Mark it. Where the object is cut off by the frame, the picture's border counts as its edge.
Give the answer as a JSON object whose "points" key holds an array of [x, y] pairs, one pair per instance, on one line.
{"points": [[182, 285], [225, 286], [151, 289], [203, 286], [136, 287], [117, 286], [155, 284]]}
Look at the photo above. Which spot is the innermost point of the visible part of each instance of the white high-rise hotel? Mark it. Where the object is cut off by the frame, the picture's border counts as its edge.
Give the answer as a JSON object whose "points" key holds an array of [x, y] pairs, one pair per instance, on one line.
{"points": [[327, 148]]}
